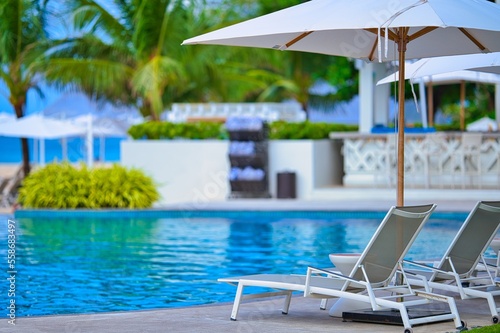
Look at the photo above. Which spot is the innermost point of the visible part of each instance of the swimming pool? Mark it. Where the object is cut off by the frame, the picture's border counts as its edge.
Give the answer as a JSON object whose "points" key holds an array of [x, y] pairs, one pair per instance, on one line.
{"points": [[92, 263]]}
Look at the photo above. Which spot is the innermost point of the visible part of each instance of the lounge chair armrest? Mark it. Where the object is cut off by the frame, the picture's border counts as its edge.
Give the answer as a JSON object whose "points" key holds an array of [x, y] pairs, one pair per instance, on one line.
{"points": [[311, 270], [415, 275], [489, 264], [418, 264], [434, 269]]}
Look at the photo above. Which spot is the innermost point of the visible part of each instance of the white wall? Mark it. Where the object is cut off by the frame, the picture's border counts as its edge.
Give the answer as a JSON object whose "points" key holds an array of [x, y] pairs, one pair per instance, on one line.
{"points": [[374, 104], [186, 171], [294, 156], [315, 163], [195, 172]]}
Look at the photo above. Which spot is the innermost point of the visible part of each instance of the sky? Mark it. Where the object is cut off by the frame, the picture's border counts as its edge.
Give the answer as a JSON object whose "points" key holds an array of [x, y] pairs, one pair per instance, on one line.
{"points": [[35, 102]]}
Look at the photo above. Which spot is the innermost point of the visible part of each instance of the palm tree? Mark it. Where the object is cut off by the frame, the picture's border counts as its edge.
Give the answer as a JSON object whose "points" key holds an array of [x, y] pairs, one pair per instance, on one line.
{"points": [[291, 74], [130, 52], [23, 40]]}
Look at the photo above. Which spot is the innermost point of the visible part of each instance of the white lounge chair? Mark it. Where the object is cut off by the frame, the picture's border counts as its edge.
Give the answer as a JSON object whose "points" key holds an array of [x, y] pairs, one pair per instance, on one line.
{"points": [[457, 271], [370, 278]]}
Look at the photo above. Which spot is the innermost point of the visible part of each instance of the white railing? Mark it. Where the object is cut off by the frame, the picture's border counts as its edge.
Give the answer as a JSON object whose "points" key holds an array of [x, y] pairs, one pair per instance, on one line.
{"points": [[183, 112], [468, 160]]}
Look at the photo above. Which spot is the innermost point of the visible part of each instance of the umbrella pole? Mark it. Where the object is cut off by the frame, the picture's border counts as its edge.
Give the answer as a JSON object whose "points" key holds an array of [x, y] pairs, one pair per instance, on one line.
{"points": [[430, 103], [402, 35], [462, 105]]}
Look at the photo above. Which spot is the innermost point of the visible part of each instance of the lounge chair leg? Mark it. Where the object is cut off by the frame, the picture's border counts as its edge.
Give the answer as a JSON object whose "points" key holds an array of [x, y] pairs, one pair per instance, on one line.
{"points": [[492, 306], [237, 301], [324, 303], [286, 306]]}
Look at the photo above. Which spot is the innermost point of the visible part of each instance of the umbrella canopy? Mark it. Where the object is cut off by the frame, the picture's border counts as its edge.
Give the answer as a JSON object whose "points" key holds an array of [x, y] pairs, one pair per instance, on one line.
{"points": [[39, 127], [381, 30], [483, 68], [484, 124], [102, 126], [464, 75], [5, 117], [484, 63], [459, 76]]}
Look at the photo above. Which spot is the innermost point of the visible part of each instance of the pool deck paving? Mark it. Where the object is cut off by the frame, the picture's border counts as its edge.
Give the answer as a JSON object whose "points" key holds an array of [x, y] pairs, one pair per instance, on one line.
{"points": [[258, 316]]}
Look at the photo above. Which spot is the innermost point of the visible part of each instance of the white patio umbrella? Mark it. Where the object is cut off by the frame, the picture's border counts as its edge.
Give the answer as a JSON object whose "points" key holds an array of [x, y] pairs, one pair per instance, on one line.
{"points": [[484, 124], [41, 128], [479, 67], [455, 77], [358, 29], [102, 127], [100, 118], [479, 62], [6, 117], [463, 75], [459, 77]]}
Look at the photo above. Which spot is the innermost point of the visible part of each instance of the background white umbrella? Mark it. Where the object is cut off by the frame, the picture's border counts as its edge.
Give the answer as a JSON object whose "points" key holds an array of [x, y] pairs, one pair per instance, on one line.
{"points": [[381, 30], [460, 77], [486, 63], [41, 128], [483, 68], [484, 124], [455, 77], [5, 117], [101, 119], [464, 75], [102, 127]]}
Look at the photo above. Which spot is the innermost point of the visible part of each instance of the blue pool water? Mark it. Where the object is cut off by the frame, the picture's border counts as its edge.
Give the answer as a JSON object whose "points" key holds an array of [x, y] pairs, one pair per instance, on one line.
{"points": [[94, 264]]}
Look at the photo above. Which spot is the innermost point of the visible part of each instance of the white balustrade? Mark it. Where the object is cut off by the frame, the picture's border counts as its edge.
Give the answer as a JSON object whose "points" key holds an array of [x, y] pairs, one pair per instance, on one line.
{"points": [[182, 112], [468, 160]]}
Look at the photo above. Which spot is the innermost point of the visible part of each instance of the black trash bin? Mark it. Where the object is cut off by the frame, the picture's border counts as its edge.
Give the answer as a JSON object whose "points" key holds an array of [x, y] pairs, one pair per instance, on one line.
{"points": [[286, 185]]}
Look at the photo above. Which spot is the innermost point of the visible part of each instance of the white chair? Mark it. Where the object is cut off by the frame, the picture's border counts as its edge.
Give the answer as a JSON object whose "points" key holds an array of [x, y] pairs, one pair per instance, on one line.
{"points": [[457, 270], [370, 281]]}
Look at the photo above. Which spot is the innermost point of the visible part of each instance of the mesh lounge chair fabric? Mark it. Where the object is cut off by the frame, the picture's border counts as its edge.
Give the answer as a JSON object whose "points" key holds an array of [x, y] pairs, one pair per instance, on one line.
{"points": [[371, 275], [456, 271]]}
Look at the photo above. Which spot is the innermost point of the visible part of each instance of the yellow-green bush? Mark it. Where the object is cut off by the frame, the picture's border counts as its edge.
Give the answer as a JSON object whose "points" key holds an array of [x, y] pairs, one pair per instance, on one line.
{"points": [[66, 186]]}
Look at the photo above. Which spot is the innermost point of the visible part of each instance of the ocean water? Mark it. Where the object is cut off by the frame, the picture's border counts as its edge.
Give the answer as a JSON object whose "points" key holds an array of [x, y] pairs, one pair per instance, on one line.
{"points": [[106, 150]]}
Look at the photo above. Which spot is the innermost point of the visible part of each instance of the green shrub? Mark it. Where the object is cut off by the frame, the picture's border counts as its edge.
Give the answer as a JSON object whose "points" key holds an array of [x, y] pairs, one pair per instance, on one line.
{"points": [[278, 130], [155, 130], [448, 127], [65, 186], [281, 130]]}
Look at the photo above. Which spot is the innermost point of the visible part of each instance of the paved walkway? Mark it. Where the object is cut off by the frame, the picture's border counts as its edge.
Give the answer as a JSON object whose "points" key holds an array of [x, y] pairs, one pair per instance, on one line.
{"points": [[258, 317]]}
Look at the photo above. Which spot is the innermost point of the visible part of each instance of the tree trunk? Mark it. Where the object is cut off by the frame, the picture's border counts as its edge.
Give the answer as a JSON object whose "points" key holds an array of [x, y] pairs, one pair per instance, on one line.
{"points": [[18, 107], [26, 156], [306, 109]]}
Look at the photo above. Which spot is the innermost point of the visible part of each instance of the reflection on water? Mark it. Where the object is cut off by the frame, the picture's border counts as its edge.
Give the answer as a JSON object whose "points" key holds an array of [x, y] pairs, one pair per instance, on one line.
{"points": [[96, 265]]}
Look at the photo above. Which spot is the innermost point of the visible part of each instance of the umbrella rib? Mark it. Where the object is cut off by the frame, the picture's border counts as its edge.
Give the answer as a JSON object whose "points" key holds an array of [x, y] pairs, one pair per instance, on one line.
{"points": [[295, 40], [392, 36], [421, 32], [473, 39]]}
